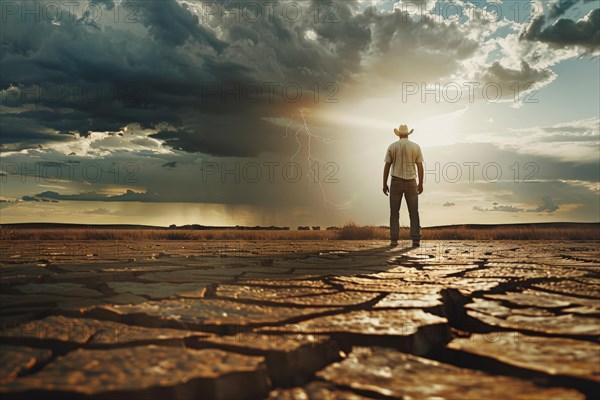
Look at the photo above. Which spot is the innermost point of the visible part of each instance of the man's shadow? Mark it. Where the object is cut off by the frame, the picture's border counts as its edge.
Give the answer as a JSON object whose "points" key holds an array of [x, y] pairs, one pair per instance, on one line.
{"points": [[384, 259]]}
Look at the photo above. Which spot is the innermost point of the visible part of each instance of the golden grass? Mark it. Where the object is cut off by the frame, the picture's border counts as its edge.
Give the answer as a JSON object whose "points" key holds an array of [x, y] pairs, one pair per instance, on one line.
{"points": [[513, 233], [160, 234], [350, 231]]}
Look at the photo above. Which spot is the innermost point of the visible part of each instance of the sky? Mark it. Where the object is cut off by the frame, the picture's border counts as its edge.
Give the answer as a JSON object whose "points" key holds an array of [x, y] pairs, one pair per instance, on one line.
{"points": [[280, 112]]}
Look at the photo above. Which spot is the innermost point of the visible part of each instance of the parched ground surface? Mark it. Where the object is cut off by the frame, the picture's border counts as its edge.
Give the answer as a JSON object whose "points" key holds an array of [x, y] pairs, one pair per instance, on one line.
{"points": [[301, 320]]}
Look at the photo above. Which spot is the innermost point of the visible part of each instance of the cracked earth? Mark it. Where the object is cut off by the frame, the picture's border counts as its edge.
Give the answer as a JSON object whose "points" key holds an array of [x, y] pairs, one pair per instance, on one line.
{"points": [[301, 320]]}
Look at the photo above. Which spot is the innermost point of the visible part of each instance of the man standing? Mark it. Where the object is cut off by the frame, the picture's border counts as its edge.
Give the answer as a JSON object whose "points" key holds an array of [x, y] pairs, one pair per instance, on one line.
{"points": [[401, 158]]}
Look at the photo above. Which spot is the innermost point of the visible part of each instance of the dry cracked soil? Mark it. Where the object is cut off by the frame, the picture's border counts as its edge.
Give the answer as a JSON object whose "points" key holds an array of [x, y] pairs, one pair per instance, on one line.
{"points": [[299, 320]]}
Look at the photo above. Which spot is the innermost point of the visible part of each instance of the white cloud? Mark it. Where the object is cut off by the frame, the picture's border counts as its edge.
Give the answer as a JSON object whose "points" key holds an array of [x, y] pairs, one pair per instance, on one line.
{"points": [[575, 141]]}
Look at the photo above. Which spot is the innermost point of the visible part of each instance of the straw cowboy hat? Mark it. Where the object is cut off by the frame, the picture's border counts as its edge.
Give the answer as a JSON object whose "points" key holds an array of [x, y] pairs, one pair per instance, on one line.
{"points": [[403, 130]]}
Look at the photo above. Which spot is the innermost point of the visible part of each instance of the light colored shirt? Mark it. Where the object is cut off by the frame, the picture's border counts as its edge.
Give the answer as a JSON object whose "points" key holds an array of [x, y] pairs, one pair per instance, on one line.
{"points": [[403, 154]]}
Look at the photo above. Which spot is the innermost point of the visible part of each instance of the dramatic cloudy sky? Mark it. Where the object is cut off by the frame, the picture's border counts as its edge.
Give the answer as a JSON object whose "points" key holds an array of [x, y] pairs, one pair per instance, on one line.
{"points": [[279, 113]]}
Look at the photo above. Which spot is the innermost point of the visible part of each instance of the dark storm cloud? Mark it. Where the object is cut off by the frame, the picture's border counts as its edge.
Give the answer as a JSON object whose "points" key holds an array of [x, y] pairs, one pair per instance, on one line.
{"points": [[22, 133], [565, 32], [102, 80], [559, 7], [129, 195], [169, 72], [170, 164], [171, 23], [170, 69], [55, 123], [239, 136], [107, 79], [80, 85], [80, 79], [166, 20]]}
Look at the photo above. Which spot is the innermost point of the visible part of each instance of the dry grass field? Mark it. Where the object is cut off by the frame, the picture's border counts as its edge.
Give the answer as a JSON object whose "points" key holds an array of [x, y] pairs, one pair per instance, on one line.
{"points": [[350, 231]]}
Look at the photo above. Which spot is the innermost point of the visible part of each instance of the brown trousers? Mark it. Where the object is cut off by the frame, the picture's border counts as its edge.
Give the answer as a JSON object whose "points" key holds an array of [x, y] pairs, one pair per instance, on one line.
{"points": [[408, 189]]}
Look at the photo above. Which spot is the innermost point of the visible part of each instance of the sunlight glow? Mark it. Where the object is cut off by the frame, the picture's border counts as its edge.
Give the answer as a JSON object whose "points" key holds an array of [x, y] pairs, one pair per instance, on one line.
{"points": [[440, 129]]}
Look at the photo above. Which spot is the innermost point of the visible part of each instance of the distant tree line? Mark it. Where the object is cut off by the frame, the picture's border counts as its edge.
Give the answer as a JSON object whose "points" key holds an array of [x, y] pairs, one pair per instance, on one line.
{"points": [[249, 228], [317, 228], [237, 227]]}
